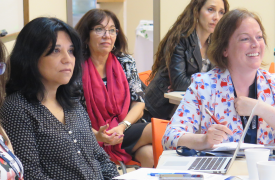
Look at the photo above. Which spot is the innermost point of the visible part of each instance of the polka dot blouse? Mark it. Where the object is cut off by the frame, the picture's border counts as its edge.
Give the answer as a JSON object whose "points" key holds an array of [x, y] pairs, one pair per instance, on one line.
{"points": [[49, 149]]}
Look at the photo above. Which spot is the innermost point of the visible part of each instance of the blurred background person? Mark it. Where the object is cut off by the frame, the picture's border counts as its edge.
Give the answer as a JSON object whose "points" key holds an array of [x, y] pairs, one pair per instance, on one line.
{"points": [[10, 166], [181, 53]]}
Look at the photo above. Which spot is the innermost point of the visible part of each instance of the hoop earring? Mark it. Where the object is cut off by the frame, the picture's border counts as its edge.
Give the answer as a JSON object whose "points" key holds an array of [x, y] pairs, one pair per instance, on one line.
{"points": [[86, 50], [209, 40], [114, 48]]}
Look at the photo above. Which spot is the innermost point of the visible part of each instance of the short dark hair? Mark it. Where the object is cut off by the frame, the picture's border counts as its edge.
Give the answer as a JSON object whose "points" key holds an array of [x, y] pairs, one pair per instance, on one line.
{"points": [[31, 43], [4, 77], [93, 18], [223, 32]]}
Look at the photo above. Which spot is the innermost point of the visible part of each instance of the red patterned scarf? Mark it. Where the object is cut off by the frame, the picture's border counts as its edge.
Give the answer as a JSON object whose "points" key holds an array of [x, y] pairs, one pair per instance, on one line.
{"points": [[107, 106]]}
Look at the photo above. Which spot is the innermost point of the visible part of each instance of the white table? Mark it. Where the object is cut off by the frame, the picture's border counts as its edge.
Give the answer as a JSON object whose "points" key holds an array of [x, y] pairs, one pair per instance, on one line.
{"points": [[175, 97]]}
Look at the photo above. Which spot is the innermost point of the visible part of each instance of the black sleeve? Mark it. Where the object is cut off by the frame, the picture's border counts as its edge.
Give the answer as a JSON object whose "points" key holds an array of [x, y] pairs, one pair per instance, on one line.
{"points": [[17, 123], [180, 81]]}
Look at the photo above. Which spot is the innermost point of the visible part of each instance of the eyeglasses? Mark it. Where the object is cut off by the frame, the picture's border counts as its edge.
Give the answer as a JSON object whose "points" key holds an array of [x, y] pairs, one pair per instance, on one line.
{"points": [[101, 31], [2, 67]]}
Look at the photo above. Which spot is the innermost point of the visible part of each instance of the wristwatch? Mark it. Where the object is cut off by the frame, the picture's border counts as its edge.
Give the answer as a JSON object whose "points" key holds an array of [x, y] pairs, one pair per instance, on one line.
{"points": [[126, 123]]}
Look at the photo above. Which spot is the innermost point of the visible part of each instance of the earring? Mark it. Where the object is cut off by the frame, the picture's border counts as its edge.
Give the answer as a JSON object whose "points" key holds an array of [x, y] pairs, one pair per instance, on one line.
{"points": [[114, 48], [86, 50]]}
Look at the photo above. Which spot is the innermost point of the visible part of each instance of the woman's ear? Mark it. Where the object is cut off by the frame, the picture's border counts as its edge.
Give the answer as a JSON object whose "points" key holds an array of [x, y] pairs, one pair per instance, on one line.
{"points": [[225, 53]]}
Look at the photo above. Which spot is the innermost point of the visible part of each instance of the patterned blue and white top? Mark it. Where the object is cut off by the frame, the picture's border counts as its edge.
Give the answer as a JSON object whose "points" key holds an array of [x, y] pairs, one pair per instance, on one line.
{"points": [[214, 90]]}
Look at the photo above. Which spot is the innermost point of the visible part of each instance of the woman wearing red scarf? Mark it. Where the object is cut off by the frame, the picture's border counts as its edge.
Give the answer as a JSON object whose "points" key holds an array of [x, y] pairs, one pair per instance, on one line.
{"points": [[112, 90]]}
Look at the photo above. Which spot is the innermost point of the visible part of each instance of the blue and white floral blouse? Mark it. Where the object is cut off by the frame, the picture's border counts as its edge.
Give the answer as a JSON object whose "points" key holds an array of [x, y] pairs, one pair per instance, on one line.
{"points": [[214, 90]]}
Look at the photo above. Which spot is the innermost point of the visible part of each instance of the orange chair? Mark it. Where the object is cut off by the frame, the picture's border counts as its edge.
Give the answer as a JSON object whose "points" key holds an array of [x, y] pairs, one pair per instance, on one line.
{"points": [[131, 164], [143, 76], [158, 129], [272, 68]]}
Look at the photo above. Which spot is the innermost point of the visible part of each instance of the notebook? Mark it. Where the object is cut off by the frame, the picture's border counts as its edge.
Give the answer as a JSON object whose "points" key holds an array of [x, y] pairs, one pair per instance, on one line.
{"points": [[210, 164]]}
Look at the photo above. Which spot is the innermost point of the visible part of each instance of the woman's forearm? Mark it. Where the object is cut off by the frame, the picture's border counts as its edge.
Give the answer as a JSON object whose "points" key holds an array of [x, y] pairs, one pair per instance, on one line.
{"points": [[136, 112], [193, 141]]}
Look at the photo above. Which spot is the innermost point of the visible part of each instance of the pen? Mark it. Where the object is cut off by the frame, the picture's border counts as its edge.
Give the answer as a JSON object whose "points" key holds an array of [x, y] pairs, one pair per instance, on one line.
{"points": [[212, 116], [158, 174], [182, 176]]}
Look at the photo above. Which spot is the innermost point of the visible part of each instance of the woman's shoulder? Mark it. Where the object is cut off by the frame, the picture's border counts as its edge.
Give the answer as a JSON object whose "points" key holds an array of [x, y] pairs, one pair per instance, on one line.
{"points": [[125, 58], [208, 76], [265, 72], [269, 76], [15, 103], [16, 97]]}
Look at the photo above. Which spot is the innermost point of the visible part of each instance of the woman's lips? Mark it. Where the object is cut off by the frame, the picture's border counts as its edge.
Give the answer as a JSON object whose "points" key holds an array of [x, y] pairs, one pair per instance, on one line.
{"points": [[66, 70], [105, 43]]}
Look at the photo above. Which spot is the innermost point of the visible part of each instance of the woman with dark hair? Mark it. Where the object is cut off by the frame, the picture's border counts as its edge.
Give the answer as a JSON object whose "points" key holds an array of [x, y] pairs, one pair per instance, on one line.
{"points": [[49, 128], [112, 91], [10, 165], [229, 91], [181, 53]]}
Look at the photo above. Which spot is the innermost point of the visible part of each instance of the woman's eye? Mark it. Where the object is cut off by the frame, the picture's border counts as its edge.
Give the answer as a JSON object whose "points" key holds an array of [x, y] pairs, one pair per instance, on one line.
{"points": [[222, 12], [112, 30], [56, 50], [210, 9], [99, 29], [260, 37], [244, 39], [71, 51]]}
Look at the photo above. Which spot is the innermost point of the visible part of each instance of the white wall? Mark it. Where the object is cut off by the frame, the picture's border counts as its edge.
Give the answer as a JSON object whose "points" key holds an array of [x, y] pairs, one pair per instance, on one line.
{"points": [[48, 8], [129, 13]]}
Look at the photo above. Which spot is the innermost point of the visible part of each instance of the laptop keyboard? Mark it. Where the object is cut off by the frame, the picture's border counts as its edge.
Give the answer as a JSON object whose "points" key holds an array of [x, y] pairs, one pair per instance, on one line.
{"points": [[211, 163]]}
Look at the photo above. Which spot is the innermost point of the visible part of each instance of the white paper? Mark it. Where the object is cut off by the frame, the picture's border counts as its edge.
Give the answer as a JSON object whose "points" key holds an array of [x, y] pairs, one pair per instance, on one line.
{"points": [[142, 173], [233, 145]]}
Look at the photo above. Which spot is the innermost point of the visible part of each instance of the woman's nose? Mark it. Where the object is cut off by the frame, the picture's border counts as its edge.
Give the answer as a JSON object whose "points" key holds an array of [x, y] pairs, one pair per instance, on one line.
{"points": [[254, 43], [66, 58]]}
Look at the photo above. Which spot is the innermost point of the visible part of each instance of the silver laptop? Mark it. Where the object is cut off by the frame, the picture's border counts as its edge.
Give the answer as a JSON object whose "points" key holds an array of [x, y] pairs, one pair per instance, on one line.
{"points": [[208, 164]]}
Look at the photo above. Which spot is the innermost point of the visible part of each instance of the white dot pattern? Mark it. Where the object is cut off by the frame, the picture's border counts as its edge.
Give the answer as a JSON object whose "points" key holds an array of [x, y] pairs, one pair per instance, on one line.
{"points": [[49, 149]]}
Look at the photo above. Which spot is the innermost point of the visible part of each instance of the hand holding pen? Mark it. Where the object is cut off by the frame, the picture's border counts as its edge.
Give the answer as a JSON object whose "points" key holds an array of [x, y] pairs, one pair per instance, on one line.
{"points": [[216, 132]]}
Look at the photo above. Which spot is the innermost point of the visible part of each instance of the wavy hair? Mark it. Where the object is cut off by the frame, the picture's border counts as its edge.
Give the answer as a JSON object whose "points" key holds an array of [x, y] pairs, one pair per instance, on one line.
{"points": [[185, 24], [4, 77]]}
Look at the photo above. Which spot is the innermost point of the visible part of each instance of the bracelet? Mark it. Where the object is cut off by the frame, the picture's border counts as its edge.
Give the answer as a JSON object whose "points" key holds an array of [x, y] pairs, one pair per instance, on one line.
{"points": [[126, 123]]}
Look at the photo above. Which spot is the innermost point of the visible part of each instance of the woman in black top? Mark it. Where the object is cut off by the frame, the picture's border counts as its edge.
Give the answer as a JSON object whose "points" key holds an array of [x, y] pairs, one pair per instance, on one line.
{"points": [[49, 129], [181, 53]]}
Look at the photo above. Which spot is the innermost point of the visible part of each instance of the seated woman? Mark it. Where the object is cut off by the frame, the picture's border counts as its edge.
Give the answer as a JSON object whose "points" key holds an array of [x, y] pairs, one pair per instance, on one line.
{"points": [[10, 166], [112, 90], [48, 127], [181, 53], [229, 91]]}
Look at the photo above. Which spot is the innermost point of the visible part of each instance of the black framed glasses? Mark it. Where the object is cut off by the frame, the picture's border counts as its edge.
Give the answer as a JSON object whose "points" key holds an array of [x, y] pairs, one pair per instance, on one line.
{"points": [[2, 67], [102, 31]]}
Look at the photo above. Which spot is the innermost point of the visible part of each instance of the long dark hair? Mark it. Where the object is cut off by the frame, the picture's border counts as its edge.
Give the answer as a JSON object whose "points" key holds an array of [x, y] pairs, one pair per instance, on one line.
{"points": [[31, 43], [93, 18], [185, 24]]}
